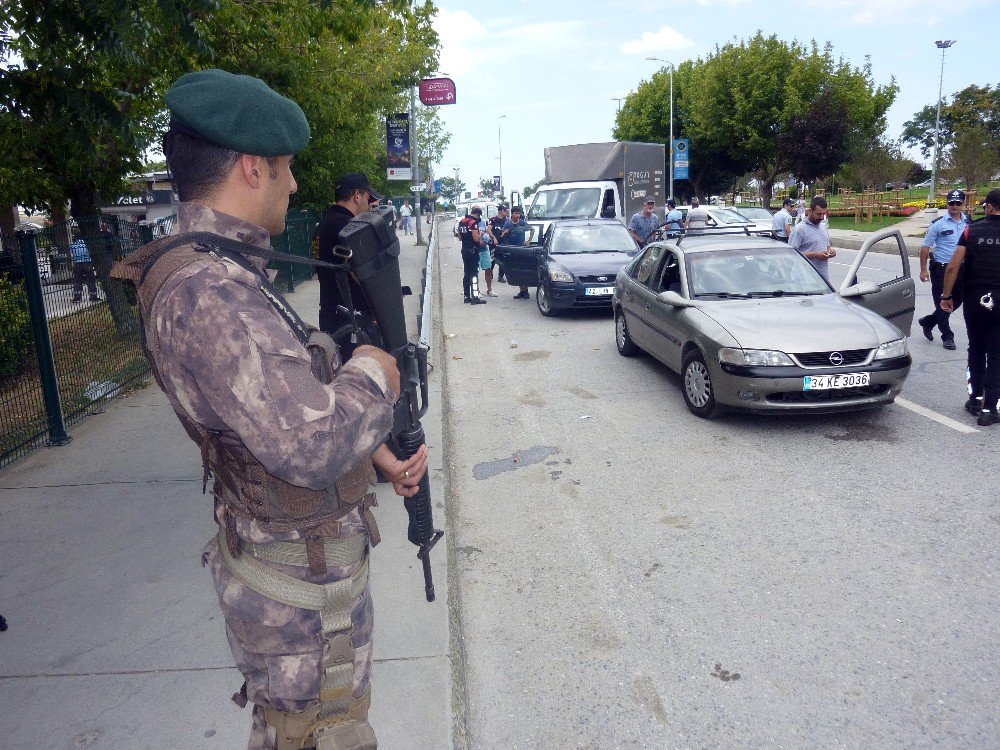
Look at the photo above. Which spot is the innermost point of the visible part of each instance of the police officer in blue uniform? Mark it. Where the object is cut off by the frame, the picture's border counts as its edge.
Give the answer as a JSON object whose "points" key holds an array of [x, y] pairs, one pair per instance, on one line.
{"points": [[941, 240], [978, 257]]}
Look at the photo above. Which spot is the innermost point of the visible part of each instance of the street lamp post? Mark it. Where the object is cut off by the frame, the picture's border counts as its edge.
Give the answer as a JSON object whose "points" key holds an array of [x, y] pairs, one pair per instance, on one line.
{"points": [[618, 99], [500, 147], [931, 202], [416, 162], [670, 150]]}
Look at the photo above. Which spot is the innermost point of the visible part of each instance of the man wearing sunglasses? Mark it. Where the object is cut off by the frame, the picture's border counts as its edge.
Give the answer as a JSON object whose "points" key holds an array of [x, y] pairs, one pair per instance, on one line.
{"points": [[942, 238]]}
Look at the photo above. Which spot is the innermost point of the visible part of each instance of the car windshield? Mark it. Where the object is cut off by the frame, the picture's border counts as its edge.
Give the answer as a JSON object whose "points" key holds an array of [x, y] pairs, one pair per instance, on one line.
{"points": [[565, 203], [592, 239], [753, 213], [755, 272], [728, 216]]}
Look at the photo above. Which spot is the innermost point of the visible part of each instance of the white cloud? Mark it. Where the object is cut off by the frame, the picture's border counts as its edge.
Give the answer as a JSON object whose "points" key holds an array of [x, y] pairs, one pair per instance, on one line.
{"points": [[667, 39], [461, 38]]}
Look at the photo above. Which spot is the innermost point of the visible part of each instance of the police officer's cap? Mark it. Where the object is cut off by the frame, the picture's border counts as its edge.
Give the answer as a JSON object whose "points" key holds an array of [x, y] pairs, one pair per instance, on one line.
{"points": [[956, 195], [788, 202], [237, 112]]}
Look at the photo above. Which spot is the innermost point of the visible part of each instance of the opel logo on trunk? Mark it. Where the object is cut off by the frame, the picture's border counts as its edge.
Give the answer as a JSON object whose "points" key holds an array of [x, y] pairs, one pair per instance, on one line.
{"points": [[602, 278], [836, 358]]}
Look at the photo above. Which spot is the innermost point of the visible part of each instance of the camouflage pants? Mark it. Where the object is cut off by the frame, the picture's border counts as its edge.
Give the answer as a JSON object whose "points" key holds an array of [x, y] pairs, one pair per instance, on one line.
{"points": [[278, 648]]}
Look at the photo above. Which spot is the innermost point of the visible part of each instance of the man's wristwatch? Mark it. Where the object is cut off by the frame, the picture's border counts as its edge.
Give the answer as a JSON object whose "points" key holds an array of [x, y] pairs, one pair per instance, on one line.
{"points": [[944, 298]]}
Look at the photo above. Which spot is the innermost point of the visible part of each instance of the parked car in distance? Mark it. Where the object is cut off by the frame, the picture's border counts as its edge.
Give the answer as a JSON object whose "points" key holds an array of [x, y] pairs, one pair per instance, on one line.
{"points": [[762, 219], [574, 266], [749, 324]]}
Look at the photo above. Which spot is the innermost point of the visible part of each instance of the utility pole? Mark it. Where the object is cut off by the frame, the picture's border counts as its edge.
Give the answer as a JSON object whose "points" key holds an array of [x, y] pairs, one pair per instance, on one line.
{"points": [[931, 201], [670, 147], [414, 149]]}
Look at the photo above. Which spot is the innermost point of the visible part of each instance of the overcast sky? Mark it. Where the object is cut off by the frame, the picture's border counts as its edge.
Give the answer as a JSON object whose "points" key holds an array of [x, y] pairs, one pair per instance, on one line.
{"points": [[553, 67]]}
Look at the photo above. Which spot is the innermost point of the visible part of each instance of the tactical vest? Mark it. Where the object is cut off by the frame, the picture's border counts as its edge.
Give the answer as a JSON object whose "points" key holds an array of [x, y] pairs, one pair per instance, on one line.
{"points": [[241, 483], [981, 268]]}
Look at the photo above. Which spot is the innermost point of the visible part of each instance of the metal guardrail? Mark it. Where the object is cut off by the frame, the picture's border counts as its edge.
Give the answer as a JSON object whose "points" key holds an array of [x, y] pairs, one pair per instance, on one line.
{"points": [[426, 322]]}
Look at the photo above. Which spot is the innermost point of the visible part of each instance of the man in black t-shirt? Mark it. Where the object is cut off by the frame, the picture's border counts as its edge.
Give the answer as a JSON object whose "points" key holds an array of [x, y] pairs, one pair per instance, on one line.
{"points": [[353, 195], [468, 232], [493, 227]]}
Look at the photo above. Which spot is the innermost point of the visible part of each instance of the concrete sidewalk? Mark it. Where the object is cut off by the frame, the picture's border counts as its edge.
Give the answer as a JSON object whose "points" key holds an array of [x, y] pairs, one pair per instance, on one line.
{"points": [[115, 638]]}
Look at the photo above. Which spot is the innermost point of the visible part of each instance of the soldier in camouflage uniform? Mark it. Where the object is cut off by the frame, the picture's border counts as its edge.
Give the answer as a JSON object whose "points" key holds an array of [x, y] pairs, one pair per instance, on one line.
{"points": [[288, 433]]}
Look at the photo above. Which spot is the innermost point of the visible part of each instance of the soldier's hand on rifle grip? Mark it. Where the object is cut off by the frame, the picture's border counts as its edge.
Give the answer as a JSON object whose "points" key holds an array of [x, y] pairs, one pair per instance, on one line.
{"points": [[405, 475], [386, 361]]}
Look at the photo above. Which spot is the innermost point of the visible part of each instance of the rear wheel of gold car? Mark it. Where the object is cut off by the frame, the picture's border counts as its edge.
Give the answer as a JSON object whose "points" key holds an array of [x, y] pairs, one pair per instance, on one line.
{"points": [[697, 385]]}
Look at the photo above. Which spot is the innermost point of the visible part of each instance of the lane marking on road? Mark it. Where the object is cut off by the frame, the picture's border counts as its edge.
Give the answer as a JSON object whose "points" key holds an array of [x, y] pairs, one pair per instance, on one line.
{"points": [[939, 418]]}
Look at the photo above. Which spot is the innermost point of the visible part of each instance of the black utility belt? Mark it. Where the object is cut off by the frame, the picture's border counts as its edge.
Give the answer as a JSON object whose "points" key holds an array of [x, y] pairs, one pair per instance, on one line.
{"points": [[935, 263]]}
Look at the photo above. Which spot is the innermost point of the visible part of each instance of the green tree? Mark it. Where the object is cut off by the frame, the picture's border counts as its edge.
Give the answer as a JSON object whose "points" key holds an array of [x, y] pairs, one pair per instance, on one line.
{"points": [[452, 188], [973, 106], [83, 102], [815, 142], [734, 104], [86, 101], [972, 159]]}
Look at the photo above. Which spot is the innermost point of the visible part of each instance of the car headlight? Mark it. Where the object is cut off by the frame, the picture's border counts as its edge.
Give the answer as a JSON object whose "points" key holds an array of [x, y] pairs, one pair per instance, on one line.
{"points": [[558, 273], [893, 349], [755, 357]]}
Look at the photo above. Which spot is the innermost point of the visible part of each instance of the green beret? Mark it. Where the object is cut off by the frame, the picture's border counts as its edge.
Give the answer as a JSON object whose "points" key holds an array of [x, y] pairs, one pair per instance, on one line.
{"points": [[237, 112]]}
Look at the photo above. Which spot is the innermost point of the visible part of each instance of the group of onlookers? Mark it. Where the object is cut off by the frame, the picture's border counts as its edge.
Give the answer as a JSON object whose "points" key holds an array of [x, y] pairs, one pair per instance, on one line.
{"points": [[479, 241]]}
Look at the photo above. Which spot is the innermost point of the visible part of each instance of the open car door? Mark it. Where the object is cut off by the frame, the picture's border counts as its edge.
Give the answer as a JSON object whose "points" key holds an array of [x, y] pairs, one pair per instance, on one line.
{"points": [[519, 263], [889, 269]]}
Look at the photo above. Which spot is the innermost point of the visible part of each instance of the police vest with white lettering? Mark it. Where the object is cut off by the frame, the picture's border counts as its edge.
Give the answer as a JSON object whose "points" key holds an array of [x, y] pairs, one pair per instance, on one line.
{"points": [[981, 268]]}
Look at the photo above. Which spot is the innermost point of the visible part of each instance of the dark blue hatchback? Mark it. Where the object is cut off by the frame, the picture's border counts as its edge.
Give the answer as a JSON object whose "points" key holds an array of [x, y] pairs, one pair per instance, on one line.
{"points": [[574, 266]]}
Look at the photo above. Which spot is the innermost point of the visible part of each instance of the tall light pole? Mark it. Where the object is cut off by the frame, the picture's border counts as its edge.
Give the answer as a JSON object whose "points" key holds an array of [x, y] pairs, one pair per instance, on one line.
{"points": [[415, 161], [670, 148], [618, 99], [941, 45], [500, 146]]}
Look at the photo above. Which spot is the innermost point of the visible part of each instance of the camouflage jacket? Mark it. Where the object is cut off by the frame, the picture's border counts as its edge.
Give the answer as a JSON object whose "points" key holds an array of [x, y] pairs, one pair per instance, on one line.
{"points": [[232, 362]]}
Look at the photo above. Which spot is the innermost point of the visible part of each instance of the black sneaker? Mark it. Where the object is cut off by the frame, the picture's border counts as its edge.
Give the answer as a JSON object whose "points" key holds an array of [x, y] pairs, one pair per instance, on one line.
{"points": [[928, 329], [468, 300], [974, 406], [949, 344], [521, 295], [987, 418], [478, 301]]}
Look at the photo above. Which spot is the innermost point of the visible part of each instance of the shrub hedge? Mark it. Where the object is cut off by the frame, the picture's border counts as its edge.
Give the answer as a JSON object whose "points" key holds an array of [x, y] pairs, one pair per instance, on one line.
{"points": [[15, 327]]}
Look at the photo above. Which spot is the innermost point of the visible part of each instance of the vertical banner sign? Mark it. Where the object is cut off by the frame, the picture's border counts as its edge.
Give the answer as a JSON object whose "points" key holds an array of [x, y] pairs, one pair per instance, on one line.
{"points": [[496, 183], [397, 146], [682, 158]]}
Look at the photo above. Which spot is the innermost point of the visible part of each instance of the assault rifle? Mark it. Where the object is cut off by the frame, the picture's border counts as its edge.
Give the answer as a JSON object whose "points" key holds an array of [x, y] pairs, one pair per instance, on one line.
{"points": [[371, 311]]}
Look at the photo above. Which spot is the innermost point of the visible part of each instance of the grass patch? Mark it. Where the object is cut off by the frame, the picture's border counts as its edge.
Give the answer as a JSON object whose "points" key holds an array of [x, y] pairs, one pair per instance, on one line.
{"points": [[847, 222], [87, 348]]}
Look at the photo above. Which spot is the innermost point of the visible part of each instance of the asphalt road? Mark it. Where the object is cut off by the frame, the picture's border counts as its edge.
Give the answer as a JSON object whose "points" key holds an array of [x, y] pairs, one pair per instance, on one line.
{"points": [[627, 575]]}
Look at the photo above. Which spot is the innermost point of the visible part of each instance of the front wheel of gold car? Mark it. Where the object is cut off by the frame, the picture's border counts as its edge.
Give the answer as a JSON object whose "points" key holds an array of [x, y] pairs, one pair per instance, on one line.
{"points": [[697, 386]]}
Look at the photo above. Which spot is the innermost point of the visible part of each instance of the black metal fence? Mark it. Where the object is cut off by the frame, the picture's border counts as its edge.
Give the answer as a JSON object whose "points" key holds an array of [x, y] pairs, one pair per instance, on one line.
{"points": [[69, 333], [299, 228]]}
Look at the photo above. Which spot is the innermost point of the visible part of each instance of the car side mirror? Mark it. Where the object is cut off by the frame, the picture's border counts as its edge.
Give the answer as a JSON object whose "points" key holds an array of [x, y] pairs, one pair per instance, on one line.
{"points": [[674, 299], [538, 249], [860, 289]]}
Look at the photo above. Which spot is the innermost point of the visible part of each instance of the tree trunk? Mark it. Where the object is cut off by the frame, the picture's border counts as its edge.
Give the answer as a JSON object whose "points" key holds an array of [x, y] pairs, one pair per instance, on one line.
{"points": [[8, 220], [105, 249]]}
